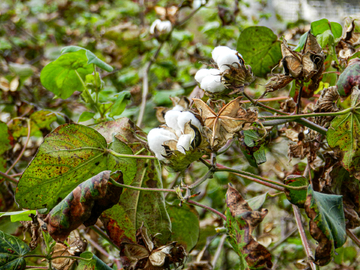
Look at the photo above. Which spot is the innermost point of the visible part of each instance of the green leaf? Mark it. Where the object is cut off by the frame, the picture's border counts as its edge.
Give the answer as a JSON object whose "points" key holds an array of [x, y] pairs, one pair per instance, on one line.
{"points": [[325, 38], [93, 262], [60, 76], [260, 48], [85, 116], [92, 58], [320, 26], [327, 212], [21, 70], [18, 215], [184, 225], [260, 155], [302, 41], [250, 136], [4, 138], [344, 132], [69, 155], [120, 103], [296, 196], [336, 29], [12, 251], [257, 202]]}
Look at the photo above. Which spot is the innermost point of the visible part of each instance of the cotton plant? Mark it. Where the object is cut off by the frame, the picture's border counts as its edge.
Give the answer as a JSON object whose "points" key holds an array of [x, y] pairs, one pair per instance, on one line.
{"points": [[230, 76], [180, 141]]}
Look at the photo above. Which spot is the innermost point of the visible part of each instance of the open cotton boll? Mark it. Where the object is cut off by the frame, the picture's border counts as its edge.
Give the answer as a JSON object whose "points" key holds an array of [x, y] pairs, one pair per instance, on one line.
{"points": [[171, 119], [156, 138], [212, 84], [183, 143], [202, 73], [220, 50], [186, 117], [164, 26], [154, 25], [228, 59], [178, 108]]}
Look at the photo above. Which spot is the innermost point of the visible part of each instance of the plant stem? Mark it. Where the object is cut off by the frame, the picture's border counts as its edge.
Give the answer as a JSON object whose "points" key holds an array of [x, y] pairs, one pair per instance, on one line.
{"points": [[303, 237], [216, 212], [251, 176], [202, 179], [283, 240], [129, 156], [141, 188], [145, 90], [104, 235], [23, 149], [353, 237], [36, 267], [8, 177], [218, 250], [299, 116]]}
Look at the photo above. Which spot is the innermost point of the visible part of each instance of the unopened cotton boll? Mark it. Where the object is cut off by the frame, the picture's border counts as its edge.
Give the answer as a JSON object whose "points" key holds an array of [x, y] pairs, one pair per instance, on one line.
{"points": [[183, 143], [228, 59], [202, 73], [212, 84], [156, 138], [185, 117], [171, 119], [219, 51]]}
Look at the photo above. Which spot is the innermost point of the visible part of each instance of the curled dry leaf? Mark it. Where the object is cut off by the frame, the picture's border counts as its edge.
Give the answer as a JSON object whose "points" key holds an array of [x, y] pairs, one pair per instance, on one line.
{"points": [[144, 255], [241, 221], [304, 66], [230, 119], [348, 44], [34, 227], [75, 246], [326, 103], [83, 205]]}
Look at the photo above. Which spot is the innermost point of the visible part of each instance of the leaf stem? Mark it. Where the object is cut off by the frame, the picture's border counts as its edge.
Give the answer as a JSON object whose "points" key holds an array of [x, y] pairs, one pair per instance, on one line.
{"points": [[116, 154], [23, 149], [219, 249], [216, 212], [112, 181], [303, 236]]}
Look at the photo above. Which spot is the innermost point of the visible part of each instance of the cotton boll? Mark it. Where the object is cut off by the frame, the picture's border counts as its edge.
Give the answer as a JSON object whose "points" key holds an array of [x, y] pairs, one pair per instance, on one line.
{"points": [[212, 84], [178, 108], [171, 119], [186, 117], [228, 59], [164, 27], [202, 73], [156, 138], [183, 143], [219, 51], [154, 25]]}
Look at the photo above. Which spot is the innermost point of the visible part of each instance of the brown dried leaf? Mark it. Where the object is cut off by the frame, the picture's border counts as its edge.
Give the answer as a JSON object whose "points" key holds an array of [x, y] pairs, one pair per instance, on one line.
{"points": [[326, 103], [291, 61], [241, 220], [224, 124], [278, 81]]}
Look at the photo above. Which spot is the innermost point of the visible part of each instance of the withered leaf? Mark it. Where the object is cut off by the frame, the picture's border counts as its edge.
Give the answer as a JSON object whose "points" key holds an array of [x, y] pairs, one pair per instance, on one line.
{"points": [[83, 205], [226, 122], [241, 220], [291, 61]]}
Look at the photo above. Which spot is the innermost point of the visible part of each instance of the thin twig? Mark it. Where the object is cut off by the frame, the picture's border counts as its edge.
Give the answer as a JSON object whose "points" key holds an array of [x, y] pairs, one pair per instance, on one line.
{"points": [[353, 237], [145, 89], [216, 212], [303, 237], [102, 251], [283, 240], [218, 250], [112, 181], [8, 177], [23, 149]]}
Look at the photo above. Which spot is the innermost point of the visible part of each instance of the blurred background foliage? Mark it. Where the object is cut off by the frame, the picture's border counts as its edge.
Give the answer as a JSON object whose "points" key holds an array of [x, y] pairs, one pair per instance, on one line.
{"points": [[32, 34]]}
